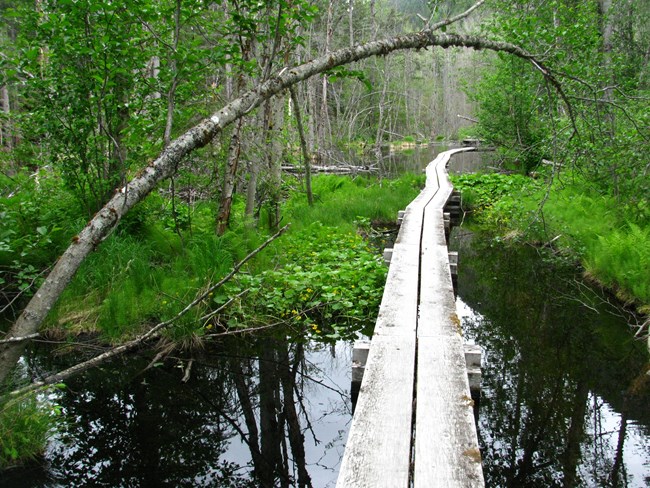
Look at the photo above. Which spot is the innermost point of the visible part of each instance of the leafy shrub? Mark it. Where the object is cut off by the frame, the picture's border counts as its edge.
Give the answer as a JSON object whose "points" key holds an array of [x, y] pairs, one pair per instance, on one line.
{"points": [[26, 424], [38, 218], [329, 285]]}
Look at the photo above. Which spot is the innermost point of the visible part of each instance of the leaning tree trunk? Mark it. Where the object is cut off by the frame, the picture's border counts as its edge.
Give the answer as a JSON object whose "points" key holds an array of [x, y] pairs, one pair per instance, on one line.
{"points": [[105, 221], [228, 188]]}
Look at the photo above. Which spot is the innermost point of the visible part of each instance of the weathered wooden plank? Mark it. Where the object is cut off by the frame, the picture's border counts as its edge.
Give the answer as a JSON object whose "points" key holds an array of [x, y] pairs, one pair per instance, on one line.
{"points": [[378, 450], [418, 295], [437, 314], [446, 450], [399, 304], [446, 446], [411, 228]]}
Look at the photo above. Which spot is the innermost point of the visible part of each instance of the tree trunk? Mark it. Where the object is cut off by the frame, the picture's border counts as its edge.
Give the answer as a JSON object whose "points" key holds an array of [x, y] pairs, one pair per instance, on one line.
{"points": [[296, 437], [228, 188], [270, 434], [105, 221], [273, 122], [244, 393], [324, 132], [171, 94], [5, 128], [303, 146], [251, 191]]}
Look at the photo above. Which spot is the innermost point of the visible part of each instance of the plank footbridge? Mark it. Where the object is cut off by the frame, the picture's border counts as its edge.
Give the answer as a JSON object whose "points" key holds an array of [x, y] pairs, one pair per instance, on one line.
{"points": [[414, 424]]}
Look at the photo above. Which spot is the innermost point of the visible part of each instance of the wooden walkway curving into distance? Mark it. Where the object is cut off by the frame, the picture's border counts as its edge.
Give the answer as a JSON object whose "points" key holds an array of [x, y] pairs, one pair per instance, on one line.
{"points": [[413, 424]]}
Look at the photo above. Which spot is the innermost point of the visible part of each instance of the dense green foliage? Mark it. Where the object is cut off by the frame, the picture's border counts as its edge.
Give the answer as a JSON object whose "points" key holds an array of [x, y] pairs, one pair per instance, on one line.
{"points": [[611, 241], [25, 425], [158, 261], [91, 91], [595, 50], [598, 133], [322, 280]]}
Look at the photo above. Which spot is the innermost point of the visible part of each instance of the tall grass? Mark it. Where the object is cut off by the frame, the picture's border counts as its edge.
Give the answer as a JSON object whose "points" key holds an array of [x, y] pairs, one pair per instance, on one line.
{"points": [[621, 260], [26, 424], [613, 247], [341, 200], [129, 282], [149, 273]]}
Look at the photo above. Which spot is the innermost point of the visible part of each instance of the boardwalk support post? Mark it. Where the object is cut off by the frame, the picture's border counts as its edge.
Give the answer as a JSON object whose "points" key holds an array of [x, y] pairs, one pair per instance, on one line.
{"points": [[453, 268], [359, 359], [400, 217], [388, 255]]}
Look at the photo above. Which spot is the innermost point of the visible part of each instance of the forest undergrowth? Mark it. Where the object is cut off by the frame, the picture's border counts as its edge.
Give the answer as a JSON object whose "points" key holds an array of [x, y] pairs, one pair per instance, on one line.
{"points": [[609, 238]]}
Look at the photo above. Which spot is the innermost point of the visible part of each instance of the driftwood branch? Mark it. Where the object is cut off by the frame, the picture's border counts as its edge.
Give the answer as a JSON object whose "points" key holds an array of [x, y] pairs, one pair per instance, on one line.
{"points": [[152, 333], [105, 221]]}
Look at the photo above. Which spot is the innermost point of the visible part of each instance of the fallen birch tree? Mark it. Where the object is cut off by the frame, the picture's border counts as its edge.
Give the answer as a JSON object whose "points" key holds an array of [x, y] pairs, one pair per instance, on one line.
{"points": [[105, 221]]}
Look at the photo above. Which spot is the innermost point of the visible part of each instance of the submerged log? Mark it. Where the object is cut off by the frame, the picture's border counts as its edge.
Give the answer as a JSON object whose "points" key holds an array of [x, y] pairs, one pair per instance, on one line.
{"points": [[332, 169]]}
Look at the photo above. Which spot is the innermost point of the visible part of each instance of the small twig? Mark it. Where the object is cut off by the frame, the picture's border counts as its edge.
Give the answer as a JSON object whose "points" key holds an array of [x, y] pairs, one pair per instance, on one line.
{"points": [[156, 358], [208, 316], [19, 339], [464, 117]]}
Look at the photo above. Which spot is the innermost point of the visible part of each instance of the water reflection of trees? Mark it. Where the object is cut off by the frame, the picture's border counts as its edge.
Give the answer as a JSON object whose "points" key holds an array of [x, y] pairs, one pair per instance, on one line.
{"points": [[553, 376], [240, 420]]}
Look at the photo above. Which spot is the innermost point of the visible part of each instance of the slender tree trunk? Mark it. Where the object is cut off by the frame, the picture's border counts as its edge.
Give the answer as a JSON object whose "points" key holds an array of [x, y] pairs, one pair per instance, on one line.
{"points": [[607, 33], [571, 455], [228, 188], [251, 191], [244, 394], [171, 94], [350, 23], [380, 120], [615, 475], [273, 121], [303, 146], [6, 136], [296, 437], [270, 435], [324, 133]]}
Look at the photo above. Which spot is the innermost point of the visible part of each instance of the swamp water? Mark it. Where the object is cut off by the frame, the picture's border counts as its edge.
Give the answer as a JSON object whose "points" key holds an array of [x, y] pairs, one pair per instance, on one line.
{"points": [[565, 389], [564, 397]]}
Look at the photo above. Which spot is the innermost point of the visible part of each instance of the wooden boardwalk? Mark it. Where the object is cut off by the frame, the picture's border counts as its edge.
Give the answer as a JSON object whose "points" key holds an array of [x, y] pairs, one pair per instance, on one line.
{"points": [[413, 424]]}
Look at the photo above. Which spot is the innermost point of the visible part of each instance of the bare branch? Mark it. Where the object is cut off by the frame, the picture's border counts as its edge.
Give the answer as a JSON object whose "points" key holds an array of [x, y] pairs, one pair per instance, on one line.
{"points": [[456, 18], [150, 334], [20, 339]]}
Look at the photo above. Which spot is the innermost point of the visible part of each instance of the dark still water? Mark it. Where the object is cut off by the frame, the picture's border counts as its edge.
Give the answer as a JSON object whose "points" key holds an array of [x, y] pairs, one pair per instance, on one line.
{"points": [[565, 390], [260, 407]]}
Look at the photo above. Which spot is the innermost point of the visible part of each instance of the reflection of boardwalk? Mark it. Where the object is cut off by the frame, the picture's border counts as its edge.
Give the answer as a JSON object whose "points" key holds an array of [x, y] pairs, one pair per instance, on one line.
{"points": [[413, 421]]}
